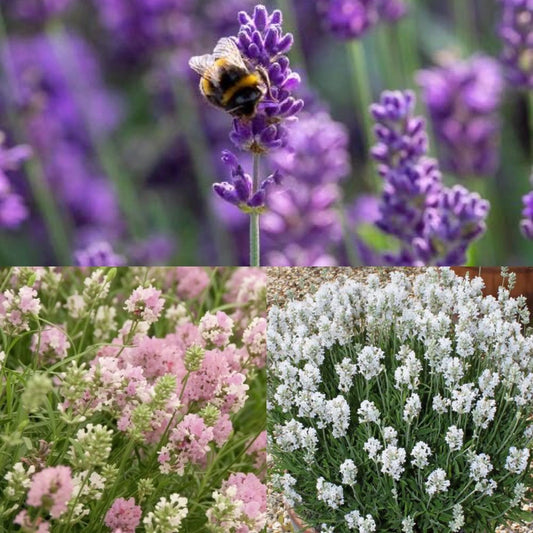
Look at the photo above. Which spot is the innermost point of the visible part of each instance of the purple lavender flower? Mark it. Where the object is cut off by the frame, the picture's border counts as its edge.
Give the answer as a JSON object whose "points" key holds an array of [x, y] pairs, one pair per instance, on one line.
{"points": [[98, 254], [526, 225], [58, 115], [12, 207], [302, 225], [262, 43], [239, 190], [434, 224], [463, 100], [517, 36], [39, 10], [351, 19], [140, 28]]}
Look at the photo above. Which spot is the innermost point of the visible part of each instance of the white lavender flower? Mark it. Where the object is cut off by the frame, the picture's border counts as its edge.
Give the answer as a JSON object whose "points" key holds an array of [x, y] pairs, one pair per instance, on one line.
{"points": [[372, 446], [412, 408], [346, 370], [392, 461], [354, 520], [286, 484], [480, 466], [484, 412], [440, 404], [458, 519], [348, 471], [408, 525], [463, 398], [519, 493], [436, 482], [517, 460], [368, 412], [369, 362], [390, 435], [486, 487], [454, 438], [420, 453], [332, 495]]}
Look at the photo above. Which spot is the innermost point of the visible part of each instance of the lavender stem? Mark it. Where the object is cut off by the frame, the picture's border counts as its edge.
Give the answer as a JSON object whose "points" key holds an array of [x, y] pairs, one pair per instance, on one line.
{"points": [[255, 246]]}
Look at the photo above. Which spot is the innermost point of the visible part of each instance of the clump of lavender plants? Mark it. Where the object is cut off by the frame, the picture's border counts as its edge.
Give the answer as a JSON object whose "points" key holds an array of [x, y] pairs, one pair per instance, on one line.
{"points": [[132, 400], [392, 410], [434, 224], [463, 100]]}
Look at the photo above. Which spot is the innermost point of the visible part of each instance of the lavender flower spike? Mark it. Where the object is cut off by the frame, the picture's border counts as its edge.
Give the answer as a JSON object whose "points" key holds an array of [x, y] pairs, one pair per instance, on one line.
{"points": [[263, 45], [239, 190], [517, 37], [463, 100], [12, 208], [434, 224]]}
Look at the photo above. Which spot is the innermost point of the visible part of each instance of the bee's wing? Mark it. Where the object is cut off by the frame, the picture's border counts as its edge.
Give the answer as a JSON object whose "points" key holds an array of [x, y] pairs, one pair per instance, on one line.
{"points": [[226, 48], [203, 65]]}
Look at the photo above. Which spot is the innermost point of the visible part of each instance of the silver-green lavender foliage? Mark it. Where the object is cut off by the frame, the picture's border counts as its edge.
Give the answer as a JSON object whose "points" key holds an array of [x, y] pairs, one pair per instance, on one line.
{"points": [[403, 406]]}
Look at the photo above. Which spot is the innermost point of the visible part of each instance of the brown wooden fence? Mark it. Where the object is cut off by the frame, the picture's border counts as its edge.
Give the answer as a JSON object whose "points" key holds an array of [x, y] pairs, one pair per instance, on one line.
{"points": [[492, 278]]}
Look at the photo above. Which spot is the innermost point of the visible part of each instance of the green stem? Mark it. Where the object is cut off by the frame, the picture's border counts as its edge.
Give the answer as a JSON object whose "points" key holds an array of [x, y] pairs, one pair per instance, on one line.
{"points": [[255, 246], [362, 86], [48, 207]]}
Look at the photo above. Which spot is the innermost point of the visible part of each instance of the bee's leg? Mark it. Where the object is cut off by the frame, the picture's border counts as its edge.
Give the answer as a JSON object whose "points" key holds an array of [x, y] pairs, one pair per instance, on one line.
{"points": [[264, 76]]}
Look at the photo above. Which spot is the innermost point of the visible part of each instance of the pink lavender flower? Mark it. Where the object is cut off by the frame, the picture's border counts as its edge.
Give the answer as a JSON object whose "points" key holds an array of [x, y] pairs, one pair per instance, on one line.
{"points": [[50, 345], [517, 37], [192, 281], [12, 207], [188, 443], [145, 303], [434, 224], [38, 525], [216, 329], [526, 224], [463, 100], [17, 308], [123, 515], [51, 489], [254, 338], [240, 505], [351, 19]]}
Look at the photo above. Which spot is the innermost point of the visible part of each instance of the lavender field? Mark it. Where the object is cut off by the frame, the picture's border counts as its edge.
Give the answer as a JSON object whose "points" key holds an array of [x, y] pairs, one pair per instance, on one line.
{"points": [[377, 132]]}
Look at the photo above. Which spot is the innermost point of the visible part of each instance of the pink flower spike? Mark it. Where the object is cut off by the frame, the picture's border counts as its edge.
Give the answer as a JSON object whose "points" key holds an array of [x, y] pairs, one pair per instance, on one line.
{"points": [[123, 516], [51, 489]]}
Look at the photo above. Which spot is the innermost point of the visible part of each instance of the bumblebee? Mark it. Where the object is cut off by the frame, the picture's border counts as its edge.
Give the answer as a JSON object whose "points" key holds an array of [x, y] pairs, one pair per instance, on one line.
{"points": [[228, 82]]}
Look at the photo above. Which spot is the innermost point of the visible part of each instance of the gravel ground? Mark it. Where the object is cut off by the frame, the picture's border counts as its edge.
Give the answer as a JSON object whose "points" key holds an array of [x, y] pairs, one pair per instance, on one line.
{"points": [[293, 283]]}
